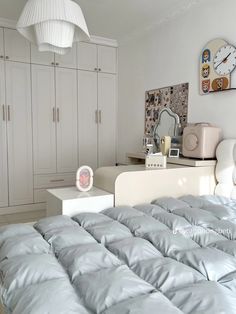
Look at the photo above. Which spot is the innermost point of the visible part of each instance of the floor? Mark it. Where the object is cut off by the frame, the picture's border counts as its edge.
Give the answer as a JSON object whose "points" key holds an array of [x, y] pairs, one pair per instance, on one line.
{"points": [[24, 217]]}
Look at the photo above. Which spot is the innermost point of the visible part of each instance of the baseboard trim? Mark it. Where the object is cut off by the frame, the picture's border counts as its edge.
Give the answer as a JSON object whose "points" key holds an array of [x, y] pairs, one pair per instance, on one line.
{"points": [[22, 208]]}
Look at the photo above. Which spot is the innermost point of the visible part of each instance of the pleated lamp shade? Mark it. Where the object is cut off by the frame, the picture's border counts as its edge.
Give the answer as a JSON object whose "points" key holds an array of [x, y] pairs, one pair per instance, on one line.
{"points": [[53, 25]]}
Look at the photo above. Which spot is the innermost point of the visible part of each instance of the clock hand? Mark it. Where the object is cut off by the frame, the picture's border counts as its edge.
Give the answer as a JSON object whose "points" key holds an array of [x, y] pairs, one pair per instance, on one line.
{"points": [[224, 60]]}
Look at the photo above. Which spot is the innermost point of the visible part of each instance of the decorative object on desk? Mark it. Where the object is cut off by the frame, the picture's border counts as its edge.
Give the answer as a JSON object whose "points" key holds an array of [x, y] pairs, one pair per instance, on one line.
{"points": [[200, 140], [149, 149], [53, 25], [217, 62], [84, 179], [165, 145], [147, 144], [155, 161], [174, 152], [172, 97]]}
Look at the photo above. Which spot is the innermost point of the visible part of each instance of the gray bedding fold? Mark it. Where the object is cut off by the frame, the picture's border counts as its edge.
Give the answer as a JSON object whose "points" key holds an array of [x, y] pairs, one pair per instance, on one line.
{"points": [[172, 256]]}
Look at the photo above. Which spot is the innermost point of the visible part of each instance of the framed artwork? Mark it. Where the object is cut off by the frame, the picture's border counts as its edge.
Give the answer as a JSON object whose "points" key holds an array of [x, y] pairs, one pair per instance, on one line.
{"points": [[173, 97], [84, 179], [217, 62]]}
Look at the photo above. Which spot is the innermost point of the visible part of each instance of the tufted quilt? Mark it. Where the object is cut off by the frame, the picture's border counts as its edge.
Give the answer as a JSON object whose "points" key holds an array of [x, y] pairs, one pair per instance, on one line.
{"points": [[172, 256]]}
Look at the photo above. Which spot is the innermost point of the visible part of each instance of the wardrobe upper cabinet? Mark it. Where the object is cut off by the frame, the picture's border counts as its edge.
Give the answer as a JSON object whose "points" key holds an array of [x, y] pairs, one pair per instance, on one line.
{"points": [[107, 119], [19, 132], [87, 56], [44, 119], [68, 60], [17, 48], [88, 118], [92, 57], [66, 107], [1, 44], [3, 142], [44, 58], [107, 59]]}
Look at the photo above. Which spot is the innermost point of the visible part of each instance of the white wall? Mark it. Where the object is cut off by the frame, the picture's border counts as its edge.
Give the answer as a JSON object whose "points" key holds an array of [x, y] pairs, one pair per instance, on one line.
{"points": [[167, 55]]}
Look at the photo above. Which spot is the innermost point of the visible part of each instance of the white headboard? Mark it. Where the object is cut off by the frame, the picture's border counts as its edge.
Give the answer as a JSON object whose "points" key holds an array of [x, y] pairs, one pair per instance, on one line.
{"points": [[226, 168]]}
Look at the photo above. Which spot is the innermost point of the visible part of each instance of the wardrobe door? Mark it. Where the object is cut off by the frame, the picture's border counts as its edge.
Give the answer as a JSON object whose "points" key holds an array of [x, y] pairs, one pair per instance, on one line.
{"points": [[19, 130], [67, 132], [3, 142], [87, 56], [107, 120], [17, 48], [68, 60], [44, 119], [1, 45], [39, 57], [87, 117], [107, 59]]}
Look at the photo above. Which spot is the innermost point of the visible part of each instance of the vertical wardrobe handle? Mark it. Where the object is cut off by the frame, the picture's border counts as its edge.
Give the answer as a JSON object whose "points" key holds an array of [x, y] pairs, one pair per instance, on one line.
{"points": [[3, 113], [96, 116], [100, 116], [58, 115], [9, 113], [53, 115]]}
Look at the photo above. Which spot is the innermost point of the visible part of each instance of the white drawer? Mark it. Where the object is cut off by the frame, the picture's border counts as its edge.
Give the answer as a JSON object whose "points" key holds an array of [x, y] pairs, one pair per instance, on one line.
{"points": [[40, 196], [56, 180]]}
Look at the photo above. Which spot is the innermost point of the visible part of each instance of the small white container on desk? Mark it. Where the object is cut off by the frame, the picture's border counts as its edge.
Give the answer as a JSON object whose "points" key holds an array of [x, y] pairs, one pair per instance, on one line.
{"points": [[69, 201]]}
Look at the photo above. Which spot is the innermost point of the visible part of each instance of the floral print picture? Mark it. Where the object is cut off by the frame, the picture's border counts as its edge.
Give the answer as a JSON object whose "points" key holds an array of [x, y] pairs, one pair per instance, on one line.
{"points": [[173, 97]]}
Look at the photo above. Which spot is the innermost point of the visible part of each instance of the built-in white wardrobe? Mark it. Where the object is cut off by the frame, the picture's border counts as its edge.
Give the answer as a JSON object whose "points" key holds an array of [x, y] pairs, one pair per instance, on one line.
{"points": [[57, 113]]}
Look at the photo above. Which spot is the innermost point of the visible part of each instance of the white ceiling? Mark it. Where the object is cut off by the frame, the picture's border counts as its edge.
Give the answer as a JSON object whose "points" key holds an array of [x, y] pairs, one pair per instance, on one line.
{"points": [[113, 18]]}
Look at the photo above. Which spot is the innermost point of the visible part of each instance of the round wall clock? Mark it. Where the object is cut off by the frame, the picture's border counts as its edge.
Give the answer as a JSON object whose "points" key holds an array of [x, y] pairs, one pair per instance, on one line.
{"points": [[217, 62], [225, 60]]}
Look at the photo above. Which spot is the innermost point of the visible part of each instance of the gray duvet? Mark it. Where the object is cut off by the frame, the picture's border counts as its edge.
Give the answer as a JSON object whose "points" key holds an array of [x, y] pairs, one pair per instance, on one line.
{"points": [[172, 256]]}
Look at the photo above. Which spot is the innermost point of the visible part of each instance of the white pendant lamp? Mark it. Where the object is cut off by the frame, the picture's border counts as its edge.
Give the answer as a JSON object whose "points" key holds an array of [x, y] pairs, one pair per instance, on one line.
{"points": [[53, 25]]}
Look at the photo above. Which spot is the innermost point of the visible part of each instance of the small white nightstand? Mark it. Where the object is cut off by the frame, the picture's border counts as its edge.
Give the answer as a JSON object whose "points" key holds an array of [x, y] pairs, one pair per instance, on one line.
{"points": [[70, 201]]}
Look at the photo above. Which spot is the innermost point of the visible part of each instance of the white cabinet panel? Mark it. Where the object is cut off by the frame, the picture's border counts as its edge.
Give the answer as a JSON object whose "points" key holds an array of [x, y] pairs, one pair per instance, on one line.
{"points": [[17, 48], [44, 119], [67, 132], [87, 56], [68, 60], [107, 119], [3, 142], [19, 130], [1, 44], [37, 57], [87, 118], [107, 59]]}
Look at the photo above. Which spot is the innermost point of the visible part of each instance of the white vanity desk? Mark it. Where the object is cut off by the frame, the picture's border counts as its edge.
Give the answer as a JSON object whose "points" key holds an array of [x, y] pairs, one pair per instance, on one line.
{"points": [[135, 184]]}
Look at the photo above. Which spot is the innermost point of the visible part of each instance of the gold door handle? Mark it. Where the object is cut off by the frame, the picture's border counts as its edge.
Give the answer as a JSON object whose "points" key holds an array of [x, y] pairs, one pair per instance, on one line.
{"points": [[9, 113], [3, 113], [58, 115], [100, 116]]}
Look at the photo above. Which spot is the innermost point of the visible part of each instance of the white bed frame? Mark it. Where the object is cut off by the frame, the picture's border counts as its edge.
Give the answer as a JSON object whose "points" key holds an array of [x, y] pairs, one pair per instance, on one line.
{"points": [[134, 185], [226, 169]]}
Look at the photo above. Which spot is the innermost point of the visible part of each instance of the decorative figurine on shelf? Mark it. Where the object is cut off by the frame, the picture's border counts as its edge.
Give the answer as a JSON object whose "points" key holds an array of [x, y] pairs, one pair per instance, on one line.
{"points": [[165, 145], [84, 179]]}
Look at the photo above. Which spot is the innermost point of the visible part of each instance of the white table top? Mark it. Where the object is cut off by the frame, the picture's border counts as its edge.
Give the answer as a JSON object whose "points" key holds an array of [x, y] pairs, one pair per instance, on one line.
{"points": [[71, 193]]}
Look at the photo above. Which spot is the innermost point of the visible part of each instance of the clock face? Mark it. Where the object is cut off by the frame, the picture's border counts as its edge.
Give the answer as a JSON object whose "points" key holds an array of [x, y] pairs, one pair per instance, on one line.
{"points": [[225, 60]]}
